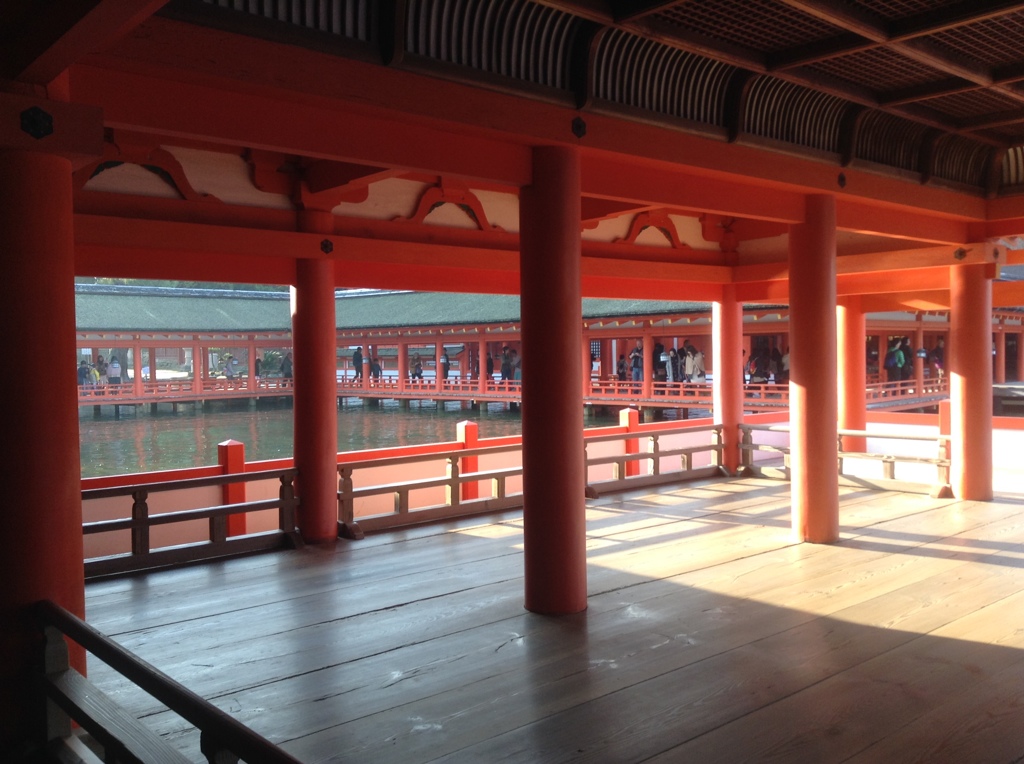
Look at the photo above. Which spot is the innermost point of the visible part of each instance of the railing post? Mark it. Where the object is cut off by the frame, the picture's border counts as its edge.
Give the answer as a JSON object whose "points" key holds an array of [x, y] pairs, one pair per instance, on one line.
{"points": [[214, 752], [55, 660], [630, 419], [231, 458], [347, 526], [717, 454], [653, 448], [452, 492], [468, 434], [286, 513], [746, 448], [140, 523]]}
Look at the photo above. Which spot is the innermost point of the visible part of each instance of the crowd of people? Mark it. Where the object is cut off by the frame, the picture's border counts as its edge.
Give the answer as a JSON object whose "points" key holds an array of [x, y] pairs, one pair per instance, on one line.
{"points": [[99, 374], [676, 365]]}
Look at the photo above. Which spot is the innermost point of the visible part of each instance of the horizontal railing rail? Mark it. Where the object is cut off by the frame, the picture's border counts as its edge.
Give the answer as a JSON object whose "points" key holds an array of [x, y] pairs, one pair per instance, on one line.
{"points": [[125, 739], [687, 395], [217, 544], [887, 459], [626, 472]]}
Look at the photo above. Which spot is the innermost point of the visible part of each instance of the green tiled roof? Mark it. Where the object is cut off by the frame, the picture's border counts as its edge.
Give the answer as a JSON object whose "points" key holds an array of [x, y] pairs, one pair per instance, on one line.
{"points": [[154, 309]]}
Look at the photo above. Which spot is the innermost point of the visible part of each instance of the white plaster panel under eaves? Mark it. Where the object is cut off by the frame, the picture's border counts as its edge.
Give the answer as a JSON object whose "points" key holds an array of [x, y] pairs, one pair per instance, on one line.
{"points": [[226, 177], [132, 179]]}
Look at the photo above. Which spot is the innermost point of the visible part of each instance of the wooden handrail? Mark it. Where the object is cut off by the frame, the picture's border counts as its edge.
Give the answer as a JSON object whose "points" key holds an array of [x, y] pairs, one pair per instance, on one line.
{"points": [[181, 485], [456, 477], [220, 733], [217, 544]]}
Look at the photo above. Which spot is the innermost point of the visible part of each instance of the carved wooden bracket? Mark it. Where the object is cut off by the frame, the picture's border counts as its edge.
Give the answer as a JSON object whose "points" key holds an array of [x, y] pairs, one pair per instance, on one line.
{"points": [[127, 148], [720, 229], [654, 219], [452, 192]]}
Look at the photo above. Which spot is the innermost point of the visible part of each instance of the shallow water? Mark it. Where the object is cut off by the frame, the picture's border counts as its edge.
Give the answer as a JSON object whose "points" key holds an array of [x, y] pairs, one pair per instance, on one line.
{"points": [[145, 442]]}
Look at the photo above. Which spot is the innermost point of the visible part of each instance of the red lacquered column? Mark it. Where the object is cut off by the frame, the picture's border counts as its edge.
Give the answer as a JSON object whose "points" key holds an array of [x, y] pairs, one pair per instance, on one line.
{"points": [[43, 558], [814, 448], [1000, 357], [727, 390], [852, 342], [316, 436], [970, 382], [551, 308]]}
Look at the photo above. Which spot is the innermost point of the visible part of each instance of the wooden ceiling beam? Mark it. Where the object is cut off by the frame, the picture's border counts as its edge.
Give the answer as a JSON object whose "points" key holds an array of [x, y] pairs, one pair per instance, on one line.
{"points": [[54, 36]]}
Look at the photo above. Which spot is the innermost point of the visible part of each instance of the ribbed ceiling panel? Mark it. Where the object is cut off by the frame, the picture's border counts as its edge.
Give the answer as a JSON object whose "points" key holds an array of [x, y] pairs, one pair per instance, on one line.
{"points": [[632, 71], [352, 19], [961, 160], [786, 112], [512, 38], [888, 140]]}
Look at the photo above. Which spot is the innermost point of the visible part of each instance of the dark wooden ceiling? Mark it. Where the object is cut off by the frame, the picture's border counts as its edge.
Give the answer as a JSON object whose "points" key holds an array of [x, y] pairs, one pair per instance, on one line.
{"points": [[925, 88]]}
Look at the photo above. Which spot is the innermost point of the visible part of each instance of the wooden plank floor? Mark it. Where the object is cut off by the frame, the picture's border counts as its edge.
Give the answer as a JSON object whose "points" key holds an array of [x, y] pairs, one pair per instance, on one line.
{"points": [[709, 637]]}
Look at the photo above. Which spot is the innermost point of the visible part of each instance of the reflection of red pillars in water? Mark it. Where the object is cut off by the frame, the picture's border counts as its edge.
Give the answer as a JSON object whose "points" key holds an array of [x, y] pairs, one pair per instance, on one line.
{"points": [[630, 419], [469, 437], [231, 458]]}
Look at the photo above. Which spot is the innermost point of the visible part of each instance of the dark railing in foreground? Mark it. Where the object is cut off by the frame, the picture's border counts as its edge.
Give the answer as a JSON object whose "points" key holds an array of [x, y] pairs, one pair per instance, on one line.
{"points": [[72, 698], [218, 544], [888, 460]]}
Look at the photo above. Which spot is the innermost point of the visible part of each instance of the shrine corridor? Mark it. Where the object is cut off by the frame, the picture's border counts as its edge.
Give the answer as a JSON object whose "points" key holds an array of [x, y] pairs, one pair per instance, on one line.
{"points": [[709, 637]]}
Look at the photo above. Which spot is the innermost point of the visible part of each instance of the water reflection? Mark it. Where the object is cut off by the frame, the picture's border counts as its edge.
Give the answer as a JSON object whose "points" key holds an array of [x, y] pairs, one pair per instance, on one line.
{"points": [[165, 440], [146, 441]]}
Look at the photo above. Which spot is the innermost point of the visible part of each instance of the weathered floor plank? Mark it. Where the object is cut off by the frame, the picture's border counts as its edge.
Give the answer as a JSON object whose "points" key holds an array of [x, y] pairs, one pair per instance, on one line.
{"points": [[709, 637]]}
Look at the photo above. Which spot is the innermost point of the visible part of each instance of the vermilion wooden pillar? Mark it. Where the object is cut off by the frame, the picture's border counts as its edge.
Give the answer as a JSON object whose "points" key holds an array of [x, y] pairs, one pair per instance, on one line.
{"points": [[551, 309], [42, 489], [970, 381], [607, 359], [648, 385], [999, 374], [812, 387], [852, 341], [316, 436], [1020, 356], [727, 390], [917, 360]]}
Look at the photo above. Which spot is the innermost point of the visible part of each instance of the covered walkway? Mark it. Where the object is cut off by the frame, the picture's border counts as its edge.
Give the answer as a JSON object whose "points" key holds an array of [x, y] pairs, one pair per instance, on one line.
{"points": [[709, 636]]}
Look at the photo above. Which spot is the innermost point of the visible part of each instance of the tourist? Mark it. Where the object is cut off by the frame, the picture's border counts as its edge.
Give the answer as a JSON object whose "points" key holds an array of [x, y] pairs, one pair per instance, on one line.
{"points": [[907, 371], [620, 368], [83, 373], [894, 361], [445, 364], [697, 364], [101, 368], [636, 359], [506, 363], [490, 366], [114, 371], [357, 363], [286, 366], [259, 367], [417, 367], [375, 371], [938, 356]]}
